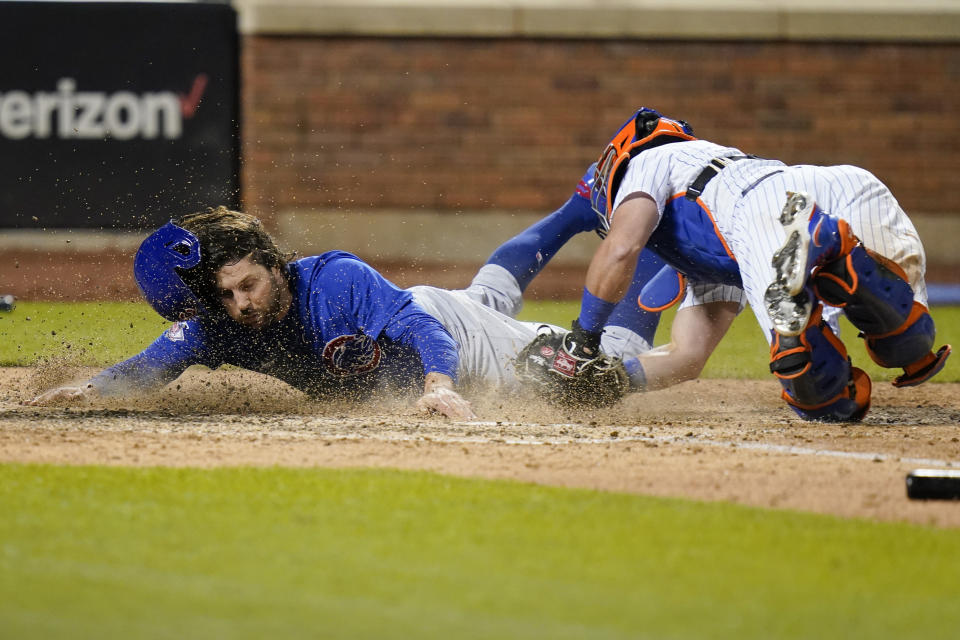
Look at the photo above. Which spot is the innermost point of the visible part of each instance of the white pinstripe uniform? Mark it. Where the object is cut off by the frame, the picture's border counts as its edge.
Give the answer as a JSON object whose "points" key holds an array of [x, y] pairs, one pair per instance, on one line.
{"points": [[745, 200]]}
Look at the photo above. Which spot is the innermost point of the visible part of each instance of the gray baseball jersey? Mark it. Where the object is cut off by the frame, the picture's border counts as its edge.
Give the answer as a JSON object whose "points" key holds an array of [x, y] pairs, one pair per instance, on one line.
{"points": [[481, 320]]}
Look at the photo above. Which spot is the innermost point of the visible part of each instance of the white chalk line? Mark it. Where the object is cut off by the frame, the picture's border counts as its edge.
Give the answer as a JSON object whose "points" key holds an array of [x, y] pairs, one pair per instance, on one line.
{"points": [[680, 440], [688, 440]]}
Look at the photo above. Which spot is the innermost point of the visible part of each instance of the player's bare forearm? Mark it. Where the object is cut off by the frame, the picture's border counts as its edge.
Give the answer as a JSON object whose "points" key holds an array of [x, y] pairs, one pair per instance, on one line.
{"points": [[440, 397], [615, 261], [695, 334], [610, 271]]}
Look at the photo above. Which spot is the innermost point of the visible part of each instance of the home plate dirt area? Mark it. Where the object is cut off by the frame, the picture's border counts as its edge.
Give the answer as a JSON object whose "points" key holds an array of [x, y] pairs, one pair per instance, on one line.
{"points": [[708, 439]]}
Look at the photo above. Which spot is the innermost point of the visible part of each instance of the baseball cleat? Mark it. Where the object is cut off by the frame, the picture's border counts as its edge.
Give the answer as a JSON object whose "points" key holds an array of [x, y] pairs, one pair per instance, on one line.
{"points": [[788, 313], [813, 238]]}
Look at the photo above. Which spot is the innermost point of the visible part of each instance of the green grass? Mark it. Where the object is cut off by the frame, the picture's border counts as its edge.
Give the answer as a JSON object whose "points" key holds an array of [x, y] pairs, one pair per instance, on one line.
{"points": [[86, 333], [101, 333], [282, 553], [253, 553]]}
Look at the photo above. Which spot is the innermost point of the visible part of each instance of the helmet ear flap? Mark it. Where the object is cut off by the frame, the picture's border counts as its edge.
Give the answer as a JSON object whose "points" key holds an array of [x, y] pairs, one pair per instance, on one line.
{"points": [[183, 247], [162, 260]]}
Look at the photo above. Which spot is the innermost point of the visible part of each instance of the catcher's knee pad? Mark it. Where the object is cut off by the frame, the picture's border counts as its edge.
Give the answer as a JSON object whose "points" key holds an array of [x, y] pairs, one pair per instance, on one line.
{"points": [[814, 370], [876, 297]]}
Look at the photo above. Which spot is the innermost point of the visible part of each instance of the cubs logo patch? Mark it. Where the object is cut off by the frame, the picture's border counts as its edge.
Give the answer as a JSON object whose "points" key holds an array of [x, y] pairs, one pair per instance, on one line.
{"points": [[175, 332], [351, 355]]}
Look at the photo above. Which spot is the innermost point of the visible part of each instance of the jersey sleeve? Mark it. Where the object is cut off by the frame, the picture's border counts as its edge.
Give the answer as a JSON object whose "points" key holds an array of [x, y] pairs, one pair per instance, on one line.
{"points": [[437, 349], [647, 173], [180, 346], [349, 295]]}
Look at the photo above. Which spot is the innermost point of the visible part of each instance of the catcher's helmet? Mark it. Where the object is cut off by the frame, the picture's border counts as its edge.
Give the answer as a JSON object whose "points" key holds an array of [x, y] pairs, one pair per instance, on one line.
{"points": [[644, 130], [161, 260]]}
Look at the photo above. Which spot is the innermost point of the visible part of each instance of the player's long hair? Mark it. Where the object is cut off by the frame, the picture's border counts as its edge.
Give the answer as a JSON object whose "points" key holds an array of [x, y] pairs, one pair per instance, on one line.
{"points": [[226, 237]]}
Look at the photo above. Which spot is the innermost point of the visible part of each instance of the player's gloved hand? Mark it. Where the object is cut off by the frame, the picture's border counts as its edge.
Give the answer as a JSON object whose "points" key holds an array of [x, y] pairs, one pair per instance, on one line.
{"points": [[439, 397], [65, 396], [580, 344], [559, 368]]}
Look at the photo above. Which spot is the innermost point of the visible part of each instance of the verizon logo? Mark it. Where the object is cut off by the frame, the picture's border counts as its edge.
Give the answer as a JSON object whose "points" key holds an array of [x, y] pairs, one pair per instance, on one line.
{"points": [[123, 115]]}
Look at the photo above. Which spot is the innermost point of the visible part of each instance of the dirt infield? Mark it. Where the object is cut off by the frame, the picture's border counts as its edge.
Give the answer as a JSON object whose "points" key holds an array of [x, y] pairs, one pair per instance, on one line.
{"points": [[709, 439]]}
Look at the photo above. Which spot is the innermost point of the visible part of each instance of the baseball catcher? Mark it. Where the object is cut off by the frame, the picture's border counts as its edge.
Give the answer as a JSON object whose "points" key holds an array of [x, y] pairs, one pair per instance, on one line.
{"points": [[800, 244]]}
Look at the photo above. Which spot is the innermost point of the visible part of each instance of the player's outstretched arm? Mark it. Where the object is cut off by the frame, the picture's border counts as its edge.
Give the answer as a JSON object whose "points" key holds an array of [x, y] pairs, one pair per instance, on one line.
{"points": [[128, 377], [439, 355], [440, 397], [615, 261], [67, 395], [158, 364]]}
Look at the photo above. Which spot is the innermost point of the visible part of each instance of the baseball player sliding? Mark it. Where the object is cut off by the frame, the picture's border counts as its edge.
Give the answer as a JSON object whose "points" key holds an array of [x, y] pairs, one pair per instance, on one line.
{"points": [[331, 325], [800, 244]]}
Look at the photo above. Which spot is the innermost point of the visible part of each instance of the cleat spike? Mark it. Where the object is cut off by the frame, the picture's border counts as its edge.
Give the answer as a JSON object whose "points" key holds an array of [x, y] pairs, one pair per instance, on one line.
{"points": [[813, 238], [789, 314]]}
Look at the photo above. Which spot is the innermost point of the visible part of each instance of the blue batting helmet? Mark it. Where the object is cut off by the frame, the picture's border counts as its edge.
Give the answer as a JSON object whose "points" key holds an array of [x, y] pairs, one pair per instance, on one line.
{"points": [[158, 266]]}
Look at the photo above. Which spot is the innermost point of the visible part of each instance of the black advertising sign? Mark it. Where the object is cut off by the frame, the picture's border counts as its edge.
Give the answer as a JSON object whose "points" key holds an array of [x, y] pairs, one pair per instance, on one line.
{"points": [[116, 115]]}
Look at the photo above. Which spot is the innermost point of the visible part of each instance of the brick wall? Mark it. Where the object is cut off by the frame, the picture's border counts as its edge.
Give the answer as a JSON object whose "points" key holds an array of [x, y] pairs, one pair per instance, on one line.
{"points": [[450, 124]]}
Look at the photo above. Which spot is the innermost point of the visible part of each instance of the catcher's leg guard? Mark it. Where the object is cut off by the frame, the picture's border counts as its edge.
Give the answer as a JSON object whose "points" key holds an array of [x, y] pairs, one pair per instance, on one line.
{"points": [[875, 295], [818, 381]]}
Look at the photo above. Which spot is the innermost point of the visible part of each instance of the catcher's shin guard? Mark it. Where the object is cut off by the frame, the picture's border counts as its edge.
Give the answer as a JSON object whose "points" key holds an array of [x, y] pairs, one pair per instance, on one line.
{"points": [[876, 297], [818, 381]]}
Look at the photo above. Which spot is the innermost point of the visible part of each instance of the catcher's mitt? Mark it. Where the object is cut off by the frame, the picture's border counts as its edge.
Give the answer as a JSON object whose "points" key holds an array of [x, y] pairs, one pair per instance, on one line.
{"points": [[551, 366]]}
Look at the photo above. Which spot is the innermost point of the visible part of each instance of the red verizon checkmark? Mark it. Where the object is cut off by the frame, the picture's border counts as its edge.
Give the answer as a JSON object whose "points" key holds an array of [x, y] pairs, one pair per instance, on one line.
{"points": [[190, 102]]}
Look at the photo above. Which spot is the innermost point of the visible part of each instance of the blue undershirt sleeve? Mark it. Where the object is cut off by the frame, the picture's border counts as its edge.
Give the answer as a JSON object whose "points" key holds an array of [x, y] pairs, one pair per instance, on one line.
{"points": [[594, 312], [438, 351], [160, 363]]}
